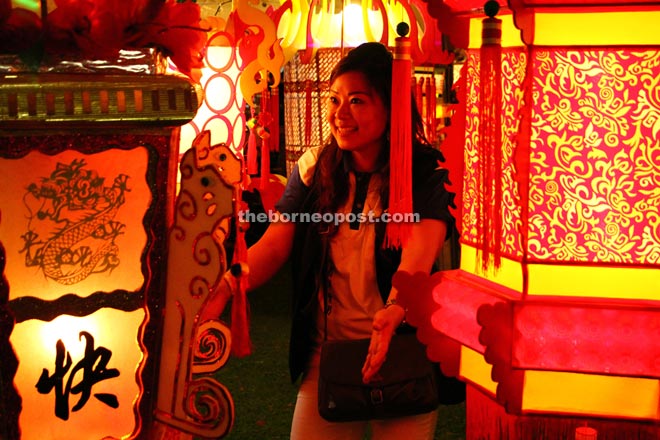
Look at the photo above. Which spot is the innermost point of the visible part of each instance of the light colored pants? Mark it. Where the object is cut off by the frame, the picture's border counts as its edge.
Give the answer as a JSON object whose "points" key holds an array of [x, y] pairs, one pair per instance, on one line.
{"points": [[309, 425]]}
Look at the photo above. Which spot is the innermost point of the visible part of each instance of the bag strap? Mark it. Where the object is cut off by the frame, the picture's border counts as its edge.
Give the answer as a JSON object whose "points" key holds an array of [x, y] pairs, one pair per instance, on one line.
{"points": [[324, 283]]}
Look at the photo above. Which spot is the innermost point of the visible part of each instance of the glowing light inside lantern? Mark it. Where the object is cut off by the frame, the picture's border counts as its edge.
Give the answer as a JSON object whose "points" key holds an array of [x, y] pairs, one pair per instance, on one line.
{"points": [[355, 18], [102, 341], [609, 28], [597, 394], [221, 111], [567, 330], [362, 22], [63, 328], [31, 5], [477, 370]]}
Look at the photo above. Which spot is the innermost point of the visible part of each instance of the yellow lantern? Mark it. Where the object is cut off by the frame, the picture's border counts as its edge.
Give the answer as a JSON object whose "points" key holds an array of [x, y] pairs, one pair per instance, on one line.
{"points": [[85, 176]]}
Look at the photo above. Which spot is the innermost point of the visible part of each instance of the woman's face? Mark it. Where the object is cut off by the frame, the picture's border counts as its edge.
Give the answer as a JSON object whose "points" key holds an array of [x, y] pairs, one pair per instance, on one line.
{"points": [[356, 114]]}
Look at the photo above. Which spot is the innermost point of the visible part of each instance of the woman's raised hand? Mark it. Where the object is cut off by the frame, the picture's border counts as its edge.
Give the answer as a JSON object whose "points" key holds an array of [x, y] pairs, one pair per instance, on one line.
{"points": [[221, 294]]}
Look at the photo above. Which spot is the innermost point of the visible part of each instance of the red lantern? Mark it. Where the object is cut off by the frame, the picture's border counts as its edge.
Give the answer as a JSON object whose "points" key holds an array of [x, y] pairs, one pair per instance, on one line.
{"points": [[565, 326]]}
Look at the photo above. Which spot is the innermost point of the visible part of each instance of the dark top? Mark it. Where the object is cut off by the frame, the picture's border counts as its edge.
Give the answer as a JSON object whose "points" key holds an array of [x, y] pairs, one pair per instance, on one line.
{"points": [[430, 199]]}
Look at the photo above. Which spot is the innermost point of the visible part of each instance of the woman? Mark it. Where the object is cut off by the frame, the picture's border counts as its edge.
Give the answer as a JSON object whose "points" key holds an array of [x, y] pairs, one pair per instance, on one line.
{"points": [[341, 267]]}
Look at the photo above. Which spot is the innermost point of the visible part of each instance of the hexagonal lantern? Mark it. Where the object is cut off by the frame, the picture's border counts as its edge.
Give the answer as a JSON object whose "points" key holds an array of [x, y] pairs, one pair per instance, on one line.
{"points": [[553, 315]]}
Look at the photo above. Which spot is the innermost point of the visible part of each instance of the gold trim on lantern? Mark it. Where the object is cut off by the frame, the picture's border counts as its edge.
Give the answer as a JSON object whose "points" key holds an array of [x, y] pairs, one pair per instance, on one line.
{"points": [[31, 100], [146, 61]]}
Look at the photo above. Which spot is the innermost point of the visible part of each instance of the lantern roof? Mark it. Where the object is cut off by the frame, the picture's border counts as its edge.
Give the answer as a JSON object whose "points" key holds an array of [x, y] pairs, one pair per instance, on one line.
{"points": [[469, 5], [472, 5], [574, 3], [555, 22]]}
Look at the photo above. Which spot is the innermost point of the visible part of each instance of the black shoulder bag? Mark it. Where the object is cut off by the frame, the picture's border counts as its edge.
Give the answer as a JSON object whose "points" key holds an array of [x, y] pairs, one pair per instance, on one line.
{"points": [[406, 383]]}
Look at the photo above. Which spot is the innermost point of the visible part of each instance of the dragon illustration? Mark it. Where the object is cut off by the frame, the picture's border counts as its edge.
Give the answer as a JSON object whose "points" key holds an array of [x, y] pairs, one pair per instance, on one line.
{"points": [[71, 228]]}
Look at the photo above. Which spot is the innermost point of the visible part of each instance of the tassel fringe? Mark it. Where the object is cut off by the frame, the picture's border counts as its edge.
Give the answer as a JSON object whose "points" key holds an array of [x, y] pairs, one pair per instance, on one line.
{"points": [[240, 325], [489, 224], [400, 197], [487, 420], [275, 123]]}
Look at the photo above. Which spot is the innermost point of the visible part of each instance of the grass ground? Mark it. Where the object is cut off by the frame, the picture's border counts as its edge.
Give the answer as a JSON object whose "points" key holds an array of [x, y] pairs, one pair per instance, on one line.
{"points": [[260, 385]]}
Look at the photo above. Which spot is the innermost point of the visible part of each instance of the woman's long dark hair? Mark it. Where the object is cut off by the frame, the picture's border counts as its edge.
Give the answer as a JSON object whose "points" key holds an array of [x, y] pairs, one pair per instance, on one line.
{"points": [[331, 182]]}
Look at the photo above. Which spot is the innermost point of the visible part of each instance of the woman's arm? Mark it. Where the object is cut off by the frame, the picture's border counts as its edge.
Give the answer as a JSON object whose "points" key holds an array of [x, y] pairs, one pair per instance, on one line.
{"points": [[418, 255], [265, 258], [270, 252]]}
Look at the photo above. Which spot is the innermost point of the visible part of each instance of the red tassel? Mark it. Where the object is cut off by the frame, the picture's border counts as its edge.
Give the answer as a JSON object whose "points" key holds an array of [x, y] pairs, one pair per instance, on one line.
{"points": [[308, 112], [489, 224], [265, 139], [419, 92], [275, 123], [400, 198], [252, 153], [240, 327], [265, 162], [430, 109]]}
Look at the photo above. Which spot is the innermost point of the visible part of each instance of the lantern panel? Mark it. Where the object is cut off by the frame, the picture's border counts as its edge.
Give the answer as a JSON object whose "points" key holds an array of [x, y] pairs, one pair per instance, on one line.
{"points": [[595, 395], [78, 254], [477, 371], [611, 28], [84, 372], [592, 182], [586, 338], [593, 166], [590, 281], [509, 275], [74, 222]]}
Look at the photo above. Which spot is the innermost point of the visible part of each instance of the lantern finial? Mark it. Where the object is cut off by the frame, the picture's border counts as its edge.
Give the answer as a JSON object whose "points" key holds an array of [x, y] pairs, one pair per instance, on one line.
{"points": [[491, 8], [402, 29]]}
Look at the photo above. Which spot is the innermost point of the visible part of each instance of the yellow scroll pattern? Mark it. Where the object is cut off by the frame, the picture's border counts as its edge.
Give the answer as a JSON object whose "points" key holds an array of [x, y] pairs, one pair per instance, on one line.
{"points": [[593, 151]]}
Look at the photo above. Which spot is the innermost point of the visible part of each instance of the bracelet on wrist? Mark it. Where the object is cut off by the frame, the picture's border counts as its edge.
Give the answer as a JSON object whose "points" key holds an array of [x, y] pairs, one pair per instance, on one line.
{"points": [[393, 302]]}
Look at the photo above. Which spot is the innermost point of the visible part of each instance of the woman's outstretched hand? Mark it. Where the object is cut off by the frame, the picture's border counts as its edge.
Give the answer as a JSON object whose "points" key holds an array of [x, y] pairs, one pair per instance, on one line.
{"points": [[385, 323]]}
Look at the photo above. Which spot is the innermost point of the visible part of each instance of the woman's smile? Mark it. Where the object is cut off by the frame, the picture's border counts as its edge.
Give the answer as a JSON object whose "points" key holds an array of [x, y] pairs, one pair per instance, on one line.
{"points": [[358, 118]]}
